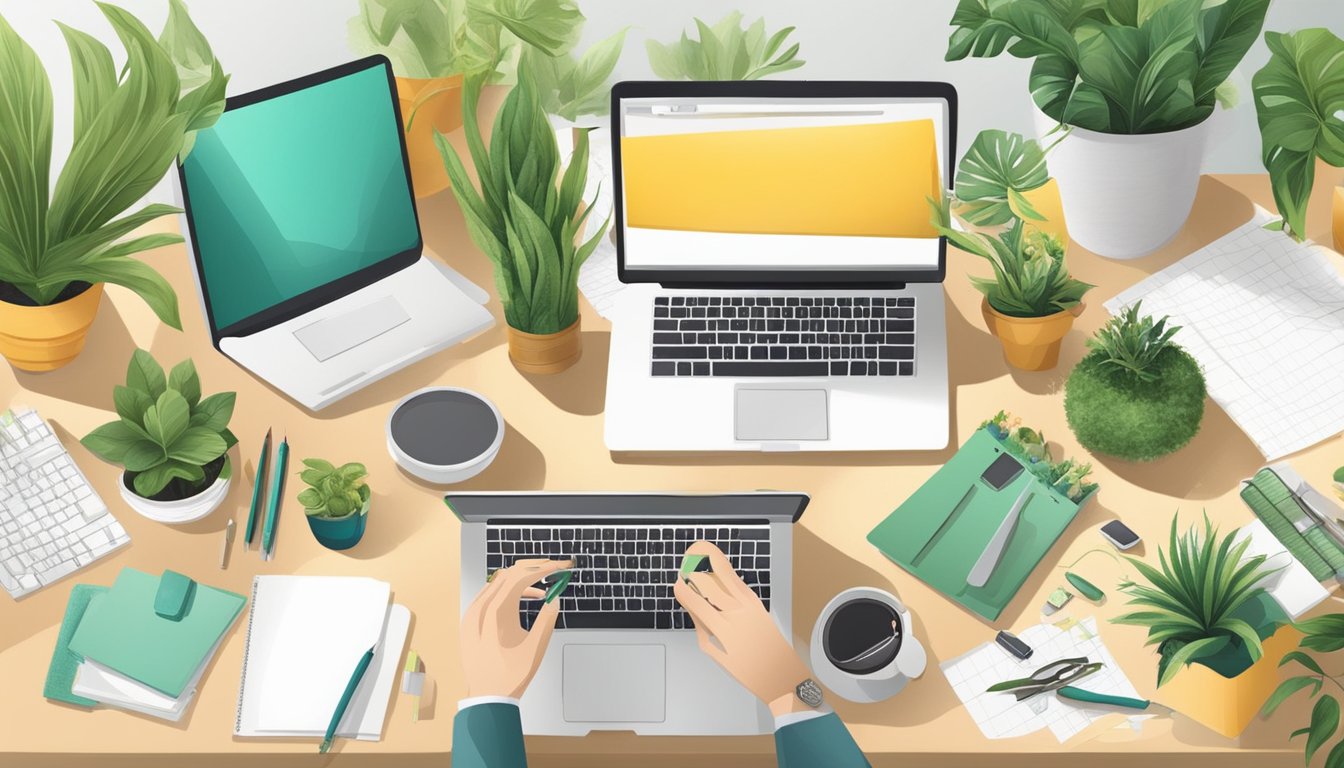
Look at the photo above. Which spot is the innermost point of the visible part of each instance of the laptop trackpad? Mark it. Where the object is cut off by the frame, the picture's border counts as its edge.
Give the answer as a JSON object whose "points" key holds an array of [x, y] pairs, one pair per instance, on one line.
{"points": [[615, 683], [331, 336], [781, 414]]}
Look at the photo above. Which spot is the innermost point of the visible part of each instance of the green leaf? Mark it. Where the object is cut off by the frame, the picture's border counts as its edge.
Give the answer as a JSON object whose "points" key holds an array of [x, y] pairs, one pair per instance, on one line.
{"points": [[111, 441], [1226, 32], [142, 455], [1335, 759], [310, 498], [168, 418], [183, 378], [95, 75], [144, 374], [1286, 689], [25, 153], [214, 412], [151, 481], [725, 51], [321, 465], [197, 445], [1324, 722], [1303, 659], [130, 403], [998, 163]]}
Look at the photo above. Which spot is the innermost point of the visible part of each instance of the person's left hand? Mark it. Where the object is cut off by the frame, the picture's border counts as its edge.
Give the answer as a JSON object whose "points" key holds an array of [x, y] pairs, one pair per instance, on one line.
{"points": [[499, 657]]}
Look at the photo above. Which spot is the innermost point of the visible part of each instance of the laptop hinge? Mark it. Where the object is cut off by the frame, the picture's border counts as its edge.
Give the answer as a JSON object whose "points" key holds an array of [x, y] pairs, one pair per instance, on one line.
{"points": [[863, 286]]}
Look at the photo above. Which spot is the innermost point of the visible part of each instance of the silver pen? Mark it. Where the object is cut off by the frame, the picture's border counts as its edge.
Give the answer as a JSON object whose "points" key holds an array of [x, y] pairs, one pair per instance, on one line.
{"points": [[228, 539]]}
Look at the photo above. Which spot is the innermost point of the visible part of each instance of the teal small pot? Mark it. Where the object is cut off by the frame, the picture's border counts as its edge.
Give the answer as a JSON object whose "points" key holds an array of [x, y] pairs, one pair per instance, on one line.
{"points": [[339, 532]]}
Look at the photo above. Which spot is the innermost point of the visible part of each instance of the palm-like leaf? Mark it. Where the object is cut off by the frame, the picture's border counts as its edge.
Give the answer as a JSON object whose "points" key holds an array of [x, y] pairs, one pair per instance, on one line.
{"points": [[725, 51]]}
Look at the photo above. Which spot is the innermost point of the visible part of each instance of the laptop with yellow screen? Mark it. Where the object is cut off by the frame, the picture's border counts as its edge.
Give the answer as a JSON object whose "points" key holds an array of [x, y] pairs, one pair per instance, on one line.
{"points": [[786, 281]]}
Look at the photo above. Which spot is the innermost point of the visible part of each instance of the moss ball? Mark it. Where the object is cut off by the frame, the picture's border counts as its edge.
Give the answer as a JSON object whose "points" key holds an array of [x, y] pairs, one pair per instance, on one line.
{"points": [[1113, 412]]}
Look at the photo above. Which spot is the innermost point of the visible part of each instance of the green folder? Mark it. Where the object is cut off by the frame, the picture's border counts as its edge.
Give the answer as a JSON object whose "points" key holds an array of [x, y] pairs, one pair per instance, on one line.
{"points": [[61, 671], [156, 637], [910, 536]]}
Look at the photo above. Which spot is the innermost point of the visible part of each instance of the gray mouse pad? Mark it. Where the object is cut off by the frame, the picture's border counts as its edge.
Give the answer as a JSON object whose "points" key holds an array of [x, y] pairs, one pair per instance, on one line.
{"points": [[781, 414], [615, 683]]}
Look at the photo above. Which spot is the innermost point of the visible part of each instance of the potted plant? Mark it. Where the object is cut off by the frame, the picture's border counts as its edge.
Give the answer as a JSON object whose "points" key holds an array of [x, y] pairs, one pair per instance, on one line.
{"points": [[1323, 634], [436, 45], [1132, 86], [1066, 476], [172, 443], [1137, 395], [1299, 103], [528, 227], [1031, 302], [1218, 633], [724, 51], [1003, 176], [58, 246], [336, 502]]}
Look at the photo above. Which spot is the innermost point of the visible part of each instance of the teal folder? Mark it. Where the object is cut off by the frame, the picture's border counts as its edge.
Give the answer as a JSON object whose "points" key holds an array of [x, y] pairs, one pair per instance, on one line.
{"points": [[61, 671], [162, 647], [910, 536]]}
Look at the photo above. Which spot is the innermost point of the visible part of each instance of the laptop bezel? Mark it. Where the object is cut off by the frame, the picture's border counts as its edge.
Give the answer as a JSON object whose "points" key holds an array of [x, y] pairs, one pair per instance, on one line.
{"points": [[781, 89], [802, 500], [342, 286]]}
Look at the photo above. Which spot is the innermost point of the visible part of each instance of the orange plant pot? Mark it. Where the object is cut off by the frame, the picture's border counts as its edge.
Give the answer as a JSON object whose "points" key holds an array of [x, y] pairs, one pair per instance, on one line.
{"points": [[545, 353], [429, 105], [1030, 343], [1226, 705], [48, 337]]}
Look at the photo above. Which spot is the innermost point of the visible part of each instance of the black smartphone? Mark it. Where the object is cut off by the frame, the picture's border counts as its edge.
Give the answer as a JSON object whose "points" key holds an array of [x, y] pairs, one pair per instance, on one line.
{"points": [[1003, 471], [1119, 534]]}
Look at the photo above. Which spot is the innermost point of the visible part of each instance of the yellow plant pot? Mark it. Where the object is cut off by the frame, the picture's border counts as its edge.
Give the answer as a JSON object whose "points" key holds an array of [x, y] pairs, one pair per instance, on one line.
{"points": [[429, 105], [46, 338], [1045, 200], [545, 353], [1030, 343], [1228, 704], [1338, 219]]}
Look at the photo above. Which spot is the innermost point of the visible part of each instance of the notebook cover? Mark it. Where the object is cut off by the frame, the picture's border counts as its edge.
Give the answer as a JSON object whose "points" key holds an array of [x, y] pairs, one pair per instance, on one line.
{"points": [[946, 564], [64, 662], [121, 631]]}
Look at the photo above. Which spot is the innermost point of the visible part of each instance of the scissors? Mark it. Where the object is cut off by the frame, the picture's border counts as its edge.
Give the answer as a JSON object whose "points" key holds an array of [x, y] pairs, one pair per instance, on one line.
{"points": [[1051, 677]]}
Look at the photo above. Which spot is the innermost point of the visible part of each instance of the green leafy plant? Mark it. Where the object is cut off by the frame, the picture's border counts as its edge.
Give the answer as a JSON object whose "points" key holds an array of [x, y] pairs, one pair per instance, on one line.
{"points": [[1066, 476], [1195, 605], [1115, 66], [1299, 102], [993, 175], [1132, 343], [129, 125], [1323, 634], [172, 442], [526, 224], [570, 85], [333, 491], [1030, 277], [725, 51]]}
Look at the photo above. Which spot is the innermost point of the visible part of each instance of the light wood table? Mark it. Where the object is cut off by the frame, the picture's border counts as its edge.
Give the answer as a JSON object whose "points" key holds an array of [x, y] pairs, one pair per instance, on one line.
{"points": [[554, 441]]}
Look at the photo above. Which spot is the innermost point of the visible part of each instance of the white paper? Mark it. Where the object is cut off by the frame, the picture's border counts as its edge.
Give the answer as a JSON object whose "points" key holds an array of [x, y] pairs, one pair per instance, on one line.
{"points": [[1264, 316], [1002, 716], [1293, 587]]}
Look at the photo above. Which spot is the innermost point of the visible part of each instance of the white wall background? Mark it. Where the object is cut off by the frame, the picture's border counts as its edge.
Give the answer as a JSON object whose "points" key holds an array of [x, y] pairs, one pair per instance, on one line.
{"points": [[266, 41]]}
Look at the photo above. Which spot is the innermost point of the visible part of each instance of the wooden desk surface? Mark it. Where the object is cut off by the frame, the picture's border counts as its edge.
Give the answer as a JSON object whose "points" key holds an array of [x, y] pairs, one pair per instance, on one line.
{"points": [[554, 441]]}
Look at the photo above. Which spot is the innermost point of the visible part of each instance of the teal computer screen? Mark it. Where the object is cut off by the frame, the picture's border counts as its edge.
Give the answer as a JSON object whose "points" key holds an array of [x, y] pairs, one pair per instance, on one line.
{"points": [[291, 193]]}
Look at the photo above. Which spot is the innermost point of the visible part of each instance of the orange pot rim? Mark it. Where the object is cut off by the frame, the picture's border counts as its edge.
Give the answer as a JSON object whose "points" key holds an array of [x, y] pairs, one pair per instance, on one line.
{"points": [[989, 308], [567, 329]]}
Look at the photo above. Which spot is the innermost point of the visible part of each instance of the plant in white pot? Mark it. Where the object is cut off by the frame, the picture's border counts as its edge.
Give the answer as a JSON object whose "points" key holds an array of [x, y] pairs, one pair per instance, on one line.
{"points": [[173, 444], [1133, 85]]}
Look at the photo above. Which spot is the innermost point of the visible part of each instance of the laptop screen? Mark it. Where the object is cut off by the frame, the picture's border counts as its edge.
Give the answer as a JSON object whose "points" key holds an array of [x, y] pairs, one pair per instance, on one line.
{"points": [[289, 193], [782, 184]]}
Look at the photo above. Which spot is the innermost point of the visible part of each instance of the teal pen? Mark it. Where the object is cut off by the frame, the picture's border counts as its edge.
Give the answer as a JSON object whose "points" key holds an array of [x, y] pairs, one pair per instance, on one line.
{"points": [[273, 508], [257, 484], [341, 705]]}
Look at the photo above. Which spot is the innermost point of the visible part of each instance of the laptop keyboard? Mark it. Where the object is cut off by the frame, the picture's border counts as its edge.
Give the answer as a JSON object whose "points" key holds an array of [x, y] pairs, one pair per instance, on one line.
{"points": [[783, 336], [623, 575]]}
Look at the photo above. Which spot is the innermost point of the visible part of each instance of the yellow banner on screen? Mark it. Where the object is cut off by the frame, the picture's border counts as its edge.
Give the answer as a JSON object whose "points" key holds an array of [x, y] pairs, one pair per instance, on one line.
{"points": [[859, 180]]}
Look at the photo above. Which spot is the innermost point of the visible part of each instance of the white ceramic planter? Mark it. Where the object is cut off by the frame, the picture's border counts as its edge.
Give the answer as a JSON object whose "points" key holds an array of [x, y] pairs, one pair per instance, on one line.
{"points": [[1125, 196], [179, 512]]}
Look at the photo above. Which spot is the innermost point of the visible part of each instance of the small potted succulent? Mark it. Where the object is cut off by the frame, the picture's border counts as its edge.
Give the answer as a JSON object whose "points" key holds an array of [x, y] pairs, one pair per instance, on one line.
{"points": [[172, 443], [1136, 396], [336, 502], [1031, 302]]}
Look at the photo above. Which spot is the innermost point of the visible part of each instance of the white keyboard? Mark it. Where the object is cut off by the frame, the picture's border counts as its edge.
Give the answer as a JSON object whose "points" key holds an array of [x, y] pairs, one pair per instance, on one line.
{"points": [[52, 523]]}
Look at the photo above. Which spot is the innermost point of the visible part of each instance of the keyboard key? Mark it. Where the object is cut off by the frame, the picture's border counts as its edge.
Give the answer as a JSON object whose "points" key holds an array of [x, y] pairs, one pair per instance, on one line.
{"points": [[680, 353], [771, 368], [664, 369]]}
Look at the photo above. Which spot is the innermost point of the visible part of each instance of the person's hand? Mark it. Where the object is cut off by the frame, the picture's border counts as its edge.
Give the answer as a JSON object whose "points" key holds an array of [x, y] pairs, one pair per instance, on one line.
{"points": [[498, 655], [736, 631]]}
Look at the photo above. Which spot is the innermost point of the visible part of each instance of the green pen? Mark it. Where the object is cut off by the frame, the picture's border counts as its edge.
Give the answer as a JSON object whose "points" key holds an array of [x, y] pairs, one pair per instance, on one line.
{"points": [[273, 508], [257, 484], [349, 694]]}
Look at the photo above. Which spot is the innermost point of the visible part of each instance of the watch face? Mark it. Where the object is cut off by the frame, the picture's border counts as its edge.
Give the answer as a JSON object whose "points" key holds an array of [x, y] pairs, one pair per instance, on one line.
{"points": [[809, 692]]}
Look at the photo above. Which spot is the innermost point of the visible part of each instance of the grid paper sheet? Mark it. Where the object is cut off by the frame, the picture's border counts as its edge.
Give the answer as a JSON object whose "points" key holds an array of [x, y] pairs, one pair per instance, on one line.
{"points": [[1264, 316], [1001, 716]]}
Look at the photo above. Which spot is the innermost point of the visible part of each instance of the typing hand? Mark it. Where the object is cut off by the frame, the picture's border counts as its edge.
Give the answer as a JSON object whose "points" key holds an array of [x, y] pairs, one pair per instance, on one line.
{"points": [[498, 655], [736, 631]]}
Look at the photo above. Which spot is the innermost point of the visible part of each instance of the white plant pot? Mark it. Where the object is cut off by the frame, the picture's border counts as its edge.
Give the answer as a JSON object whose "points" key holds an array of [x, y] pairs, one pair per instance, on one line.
{"points": [[1125, 196], [180, 512]]}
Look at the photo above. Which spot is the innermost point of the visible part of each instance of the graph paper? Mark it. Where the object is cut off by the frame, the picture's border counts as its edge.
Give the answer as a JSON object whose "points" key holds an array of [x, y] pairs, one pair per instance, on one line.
{"points": [[1264, 316]]}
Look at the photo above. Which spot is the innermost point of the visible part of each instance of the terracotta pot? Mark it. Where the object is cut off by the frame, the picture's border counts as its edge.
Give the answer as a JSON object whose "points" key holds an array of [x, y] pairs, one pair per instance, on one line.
{"points": [[545, 353], [46, 338], [1030, 343], [429, 105]]}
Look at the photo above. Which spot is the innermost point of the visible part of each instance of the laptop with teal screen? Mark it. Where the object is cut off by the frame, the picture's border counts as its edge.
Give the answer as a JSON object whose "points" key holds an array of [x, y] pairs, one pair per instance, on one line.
{"points": [[307, 246]]}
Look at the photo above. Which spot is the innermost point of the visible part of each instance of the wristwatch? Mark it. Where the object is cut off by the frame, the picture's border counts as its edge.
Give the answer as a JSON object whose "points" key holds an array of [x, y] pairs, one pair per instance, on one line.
{"points": [[809, 693]]}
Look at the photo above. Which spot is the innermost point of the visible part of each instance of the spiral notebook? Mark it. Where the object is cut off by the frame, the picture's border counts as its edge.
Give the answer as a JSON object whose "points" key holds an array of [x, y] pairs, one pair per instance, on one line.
{"points": [[305, 636]]}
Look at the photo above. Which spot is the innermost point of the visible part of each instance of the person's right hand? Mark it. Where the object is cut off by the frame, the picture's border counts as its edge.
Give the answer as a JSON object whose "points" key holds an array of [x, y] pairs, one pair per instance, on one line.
{"points": [[499, 657], [736, 631]]}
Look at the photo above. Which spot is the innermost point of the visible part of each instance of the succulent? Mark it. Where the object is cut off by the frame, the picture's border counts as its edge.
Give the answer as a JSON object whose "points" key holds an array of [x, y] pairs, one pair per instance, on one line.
{"points": [[333, 491], [1132, 343], [166, 434]]}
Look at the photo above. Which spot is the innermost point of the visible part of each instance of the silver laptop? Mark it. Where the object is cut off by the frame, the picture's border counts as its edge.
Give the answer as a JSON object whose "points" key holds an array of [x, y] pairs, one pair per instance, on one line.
{"points": [[306, 239], [785, 281], [624, 655]]}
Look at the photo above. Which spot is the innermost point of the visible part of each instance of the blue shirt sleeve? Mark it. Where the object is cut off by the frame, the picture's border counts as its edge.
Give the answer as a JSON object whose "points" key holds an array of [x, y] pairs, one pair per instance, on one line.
{"points": [[488, 736], [820, 741]]}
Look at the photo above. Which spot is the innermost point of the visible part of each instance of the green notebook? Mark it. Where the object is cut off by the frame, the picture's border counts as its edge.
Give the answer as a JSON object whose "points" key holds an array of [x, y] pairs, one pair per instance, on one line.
{"points": [[61, 671], [158, 645], [910, 536]]}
